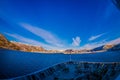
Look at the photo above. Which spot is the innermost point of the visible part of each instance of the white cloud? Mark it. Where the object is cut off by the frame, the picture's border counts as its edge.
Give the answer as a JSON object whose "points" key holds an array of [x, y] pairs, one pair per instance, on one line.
{"points": [[94, 45], [95, 37], [44, 34], [115, 41], [100, 43], [76, 41], [30, 41]]}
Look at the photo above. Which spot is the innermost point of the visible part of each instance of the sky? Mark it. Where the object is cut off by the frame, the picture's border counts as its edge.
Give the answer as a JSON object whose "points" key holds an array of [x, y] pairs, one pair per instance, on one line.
{"points": [[60, 24]]}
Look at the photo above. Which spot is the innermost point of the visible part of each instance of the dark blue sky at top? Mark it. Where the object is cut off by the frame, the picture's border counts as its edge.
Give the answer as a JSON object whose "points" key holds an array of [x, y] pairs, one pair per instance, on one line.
{"points": [[66, 19]]}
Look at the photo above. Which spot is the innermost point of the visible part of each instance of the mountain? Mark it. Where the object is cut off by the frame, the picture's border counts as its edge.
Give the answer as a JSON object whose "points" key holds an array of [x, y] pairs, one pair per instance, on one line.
{"points": [[98, 48], [73, 51], [115, 48], [28, 48], [108, 47], [5, 43]]}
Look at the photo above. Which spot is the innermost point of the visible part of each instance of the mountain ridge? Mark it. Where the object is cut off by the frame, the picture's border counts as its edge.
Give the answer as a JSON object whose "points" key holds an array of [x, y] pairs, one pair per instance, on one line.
{"points": [[5, 43], [12, 45]]}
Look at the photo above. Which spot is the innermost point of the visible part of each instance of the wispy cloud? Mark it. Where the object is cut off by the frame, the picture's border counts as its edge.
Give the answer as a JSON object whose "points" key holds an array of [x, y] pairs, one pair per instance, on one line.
{"points": [[30, 41], [94, 45], [76, 41], [115, 41], [44, 34], [100, 43], [95, 37]]}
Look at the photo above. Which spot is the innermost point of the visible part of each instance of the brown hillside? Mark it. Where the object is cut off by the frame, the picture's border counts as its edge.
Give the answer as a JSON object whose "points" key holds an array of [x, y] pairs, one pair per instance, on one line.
{"points": [[4, 43]]}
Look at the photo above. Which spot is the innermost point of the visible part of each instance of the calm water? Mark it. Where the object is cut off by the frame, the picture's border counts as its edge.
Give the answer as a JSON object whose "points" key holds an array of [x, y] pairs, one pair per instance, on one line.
{"points": [[16, 63]]}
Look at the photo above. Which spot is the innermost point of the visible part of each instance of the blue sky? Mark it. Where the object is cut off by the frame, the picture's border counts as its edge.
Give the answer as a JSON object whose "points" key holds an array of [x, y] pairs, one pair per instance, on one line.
{"points": [[60, 24]]}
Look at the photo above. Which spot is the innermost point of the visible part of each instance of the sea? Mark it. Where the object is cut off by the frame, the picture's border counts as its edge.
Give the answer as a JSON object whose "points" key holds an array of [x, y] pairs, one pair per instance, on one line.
{"points": [[18, 63]]}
